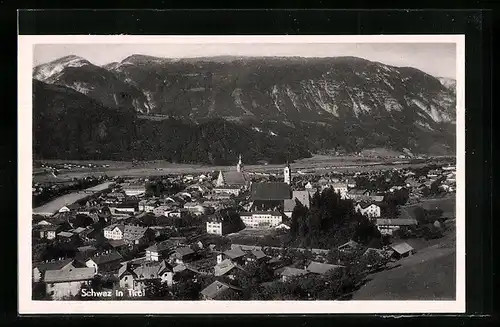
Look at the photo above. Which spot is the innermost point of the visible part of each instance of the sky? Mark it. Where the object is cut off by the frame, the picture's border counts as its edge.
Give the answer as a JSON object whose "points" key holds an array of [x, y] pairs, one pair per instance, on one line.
{"points": [[437, 59]]}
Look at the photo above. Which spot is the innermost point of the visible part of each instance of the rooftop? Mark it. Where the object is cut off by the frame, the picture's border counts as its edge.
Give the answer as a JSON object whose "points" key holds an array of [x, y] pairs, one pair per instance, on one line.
{"points": [[69, 275], [321, 268], [217, 288], [104, 258], [54, 265], [234, 178], [291, 271], [402, 248]]}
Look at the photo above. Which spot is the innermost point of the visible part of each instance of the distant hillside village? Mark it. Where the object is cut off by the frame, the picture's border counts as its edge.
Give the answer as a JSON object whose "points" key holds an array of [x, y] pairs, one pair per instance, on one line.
{"points": [[231, 235]]}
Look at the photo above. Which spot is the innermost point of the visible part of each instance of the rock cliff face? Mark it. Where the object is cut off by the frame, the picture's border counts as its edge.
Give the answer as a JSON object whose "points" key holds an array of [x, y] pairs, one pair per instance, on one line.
{"points": [[96, 82], [321, 103]]}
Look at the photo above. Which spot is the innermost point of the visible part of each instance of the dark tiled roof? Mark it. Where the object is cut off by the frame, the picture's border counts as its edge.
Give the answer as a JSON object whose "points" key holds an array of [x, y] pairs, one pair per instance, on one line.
{"points": [[396, 222], [106, 258], [161, 246], [271, 191], [68, 275], [402, 248], [234, 178], [117, 243], [234, 253], [321, 268], [56, 265], [291, 271], [217, 288], [184, 251]]}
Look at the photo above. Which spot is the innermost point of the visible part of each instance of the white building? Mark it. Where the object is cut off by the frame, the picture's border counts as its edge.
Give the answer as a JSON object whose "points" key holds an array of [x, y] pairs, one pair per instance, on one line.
{"points": [[371, 211], [113, 232], [261, 219], [214, 227], [340, 188]]}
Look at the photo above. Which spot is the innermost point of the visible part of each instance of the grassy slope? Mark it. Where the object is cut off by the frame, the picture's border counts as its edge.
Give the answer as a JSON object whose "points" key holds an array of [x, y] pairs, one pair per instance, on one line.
{"points": [[427, 275]]}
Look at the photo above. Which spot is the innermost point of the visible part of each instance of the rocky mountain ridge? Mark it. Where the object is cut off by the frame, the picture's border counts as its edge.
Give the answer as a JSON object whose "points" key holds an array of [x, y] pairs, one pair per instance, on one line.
{"points": [[352, 103]]}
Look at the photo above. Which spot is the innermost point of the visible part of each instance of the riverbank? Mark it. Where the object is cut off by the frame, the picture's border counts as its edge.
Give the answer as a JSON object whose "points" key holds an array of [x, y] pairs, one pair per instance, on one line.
{"points": [[52, 207]]}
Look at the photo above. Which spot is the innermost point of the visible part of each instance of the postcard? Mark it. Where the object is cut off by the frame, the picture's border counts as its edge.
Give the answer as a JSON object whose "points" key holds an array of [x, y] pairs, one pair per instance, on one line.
{"points": [[241, 174]]}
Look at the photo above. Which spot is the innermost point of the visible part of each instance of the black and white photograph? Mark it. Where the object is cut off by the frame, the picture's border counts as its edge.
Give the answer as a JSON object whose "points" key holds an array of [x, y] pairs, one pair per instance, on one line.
{"points": [[301, 173]]}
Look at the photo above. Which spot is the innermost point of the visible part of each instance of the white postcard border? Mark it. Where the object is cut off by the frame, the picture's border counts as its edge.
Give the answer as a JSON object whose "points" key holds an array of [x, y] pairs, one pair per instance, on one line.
{"points": [[28, 306]]}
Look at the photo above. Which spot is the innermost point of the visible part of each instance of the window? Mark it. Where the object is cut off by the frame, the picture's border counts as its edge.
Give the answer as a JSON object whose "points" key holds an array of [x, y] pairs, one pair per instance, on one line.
{"points": [[126, 277]]}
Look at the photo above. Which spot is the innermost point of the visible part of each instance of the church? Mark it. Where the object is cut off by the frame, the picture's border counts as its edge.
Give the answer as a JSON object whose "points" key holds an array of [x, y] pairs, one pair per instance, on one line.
{"points": [[233, 181]]}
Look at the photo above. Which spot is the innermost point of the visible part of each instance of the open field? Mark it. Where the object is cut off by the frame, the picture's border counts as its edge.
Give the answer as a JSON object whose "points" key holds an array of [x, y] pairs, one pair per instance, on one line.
{"points": [[430, 274], [316, 164]]}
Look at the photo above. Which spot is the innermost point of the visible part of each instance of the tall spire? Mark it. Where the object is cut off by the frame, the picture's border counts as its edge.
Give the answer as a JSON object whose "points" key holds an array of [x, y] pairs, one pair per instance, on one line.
{"points": [[239, 166], [287, 173]]}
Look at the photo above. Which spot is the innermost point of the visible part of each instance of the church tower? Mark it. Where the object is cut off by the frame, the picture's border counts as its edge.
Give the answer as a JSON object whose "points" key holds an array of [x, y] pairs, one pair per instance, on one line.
{"points": [[287, 174], [239, 166]]}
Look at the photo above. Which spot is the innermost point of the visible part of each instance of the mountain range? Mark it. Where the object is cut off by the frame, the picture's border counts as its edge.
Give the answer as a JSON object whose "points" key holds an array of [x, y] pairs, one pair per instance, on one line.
{"points": [[268, 108]]}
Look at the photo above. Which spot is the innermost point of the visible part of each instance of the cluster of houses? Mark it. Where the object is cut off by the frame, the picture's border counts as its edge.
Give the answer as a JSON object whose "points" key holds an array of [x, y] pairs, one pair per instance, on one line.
{"points": [[262, 204], [176, 260]]}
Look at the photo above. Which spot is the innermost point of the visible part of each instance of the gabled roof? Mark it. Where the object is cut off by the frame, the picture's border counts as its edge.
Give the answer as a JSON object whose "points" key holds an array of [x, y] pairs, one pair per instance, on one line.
{"points": [[321, 268], [106, 258], [270, 191], [351, 244], [125, 269], [259, 254], [86, 248], [396, 222], [161, 246], [78, 230], [224, 267], [183, 251], [164, 266], [217, 288], [291, 271], [65, 234], [357, 192], [68, 275], [234, 178], [55, 265], [379, 252], [133, 232], [147, 272], [117, 243], [111, 227], [402, 248], [234, 253]]}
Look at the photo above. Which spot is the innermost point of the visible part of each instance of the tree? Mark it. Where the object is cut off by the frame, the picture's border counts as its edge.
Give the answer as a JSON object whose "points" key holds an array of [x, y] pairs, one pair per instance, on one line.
{"points": [[188, 290], [82, 221], [365, 230], [299, 213], [156, 290]]}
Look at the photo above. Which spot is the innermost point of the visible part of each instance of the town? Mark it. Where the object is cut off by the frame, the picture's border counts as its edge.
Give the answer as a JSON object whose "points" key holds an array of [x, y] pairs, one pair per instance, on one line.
{"points": [[234, 235]]}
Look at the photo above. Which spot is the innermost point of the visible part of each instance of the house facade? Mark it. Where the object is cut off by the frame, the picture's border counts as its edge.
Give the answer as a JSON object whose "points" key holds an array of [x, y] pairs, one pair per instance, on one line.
{"points": [[257, 219], [113, 232], [371, 211], [67, 282], [389, 226]]}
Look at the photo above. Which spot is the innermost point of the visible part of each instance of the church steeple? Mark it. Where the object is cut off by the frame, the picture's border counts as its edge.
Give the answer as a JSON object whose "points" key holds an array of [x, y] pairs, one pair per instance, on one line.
{"points": [[239, 166], [287, 173]]}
